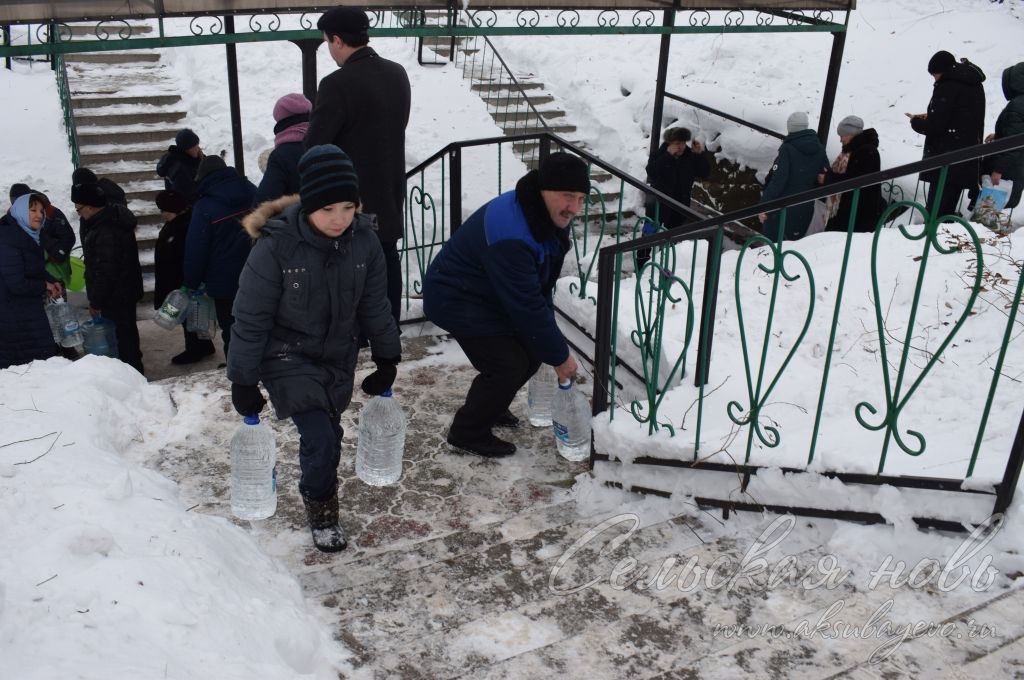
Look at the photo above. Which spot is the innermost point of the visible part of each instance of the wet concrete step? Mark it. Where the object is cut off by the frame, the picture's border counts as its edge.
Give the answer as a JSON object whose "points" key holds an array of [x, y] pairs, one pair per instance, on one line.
{"points": [[164, 135], [139, 118], [85, 102], [501, 87], [523, 112]]}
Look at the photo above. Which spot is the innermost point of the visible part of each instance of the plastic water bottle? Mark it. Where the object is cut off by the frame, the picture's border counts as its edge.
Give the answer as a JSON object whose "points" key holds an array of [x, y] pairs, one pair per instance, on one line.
{"points": [[172, 312], [539, 394], [53, 315], [253, 472], [381, 441], [99, 337], [570, 420], [202, 318], [66, 319]]}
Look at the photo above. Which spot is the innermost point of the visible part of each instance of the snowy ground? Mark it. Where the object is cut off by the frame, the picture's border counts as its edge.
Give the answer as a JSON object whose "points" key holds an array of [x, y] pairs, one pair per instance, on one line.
{"points": [[109, 572]]}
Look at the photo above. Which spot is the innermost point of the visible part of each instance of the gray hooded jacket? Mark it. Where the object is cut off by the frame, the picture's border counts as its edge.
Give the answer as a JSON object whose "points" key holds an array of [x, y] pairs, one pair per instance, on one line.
{"points": [[302, 300]]}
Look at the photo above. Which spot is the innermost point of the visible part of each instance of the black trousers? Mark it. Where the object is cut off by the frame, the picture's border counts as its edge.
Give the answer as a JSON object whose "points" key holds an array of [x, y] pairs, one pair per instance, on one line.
{"points": [[127, 332], [394, 263], [195, 344], [225, 320], [505, 365], [320, 436]]}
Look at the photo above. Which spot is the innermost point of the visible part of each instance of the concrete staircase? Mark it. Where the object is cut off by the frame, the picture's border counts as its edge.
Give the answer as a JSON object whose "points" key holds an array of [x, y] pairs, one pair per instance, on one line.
{"points": [[125, 124], [509, 105]]}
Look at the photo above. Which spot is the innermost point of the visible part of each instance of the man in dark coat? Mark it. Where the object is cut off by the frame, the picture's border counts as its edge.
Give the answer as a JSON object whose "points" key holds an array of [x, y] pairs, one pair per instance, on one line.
{"points": [[113, 276], [24, 330], [217, 245], [291, 114], [314, 278], [673, 169], [490, 286], [801, 159], [111, 189], [180, 164], [169, 267], [363, 108], [955, 120], [1010, 164], [859, 157]]}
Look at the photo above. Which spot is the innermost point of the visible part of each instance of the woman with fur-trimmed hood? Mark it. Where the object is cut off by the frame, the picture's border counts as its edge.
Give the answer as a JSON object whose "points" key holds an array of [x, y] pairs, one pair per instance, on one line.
{"points": [[315, 278]]}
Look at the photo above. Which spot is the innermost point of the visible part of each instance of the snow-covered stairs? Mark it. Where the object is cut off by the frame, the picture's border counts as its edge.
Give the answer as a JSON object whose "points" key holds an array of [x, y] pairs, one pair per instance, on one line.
{"points": [[512, 107], [126, 115]]}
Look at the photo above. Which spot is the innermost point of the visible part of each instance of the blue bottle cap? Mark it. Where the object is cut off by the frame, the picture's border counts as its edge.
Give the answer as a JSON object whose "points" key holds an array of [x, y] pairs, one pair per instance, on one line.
{"points": [[386, 393], [565, 386], [252, 420]]}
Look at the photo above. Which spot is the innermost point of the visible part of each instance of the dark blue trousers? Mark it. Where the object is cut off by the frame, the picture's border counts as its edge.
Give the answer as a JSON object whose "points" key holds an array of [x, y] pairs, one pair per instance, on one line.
{"points": [[320, 436]]}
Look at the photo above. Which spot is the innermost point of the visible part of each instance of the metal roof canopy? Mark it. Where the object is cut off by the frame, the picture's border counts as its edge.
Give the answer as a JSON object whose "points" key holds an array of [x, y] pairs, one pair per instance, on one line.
{"points": [[678, 16], [31, 11]]}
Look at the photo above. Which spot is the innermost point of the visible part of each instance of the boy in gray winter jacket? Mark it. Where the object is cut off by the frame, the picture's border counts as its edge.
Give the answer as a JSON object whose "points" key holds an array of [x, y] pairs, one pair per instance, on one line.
{"points": [[315, 278]]}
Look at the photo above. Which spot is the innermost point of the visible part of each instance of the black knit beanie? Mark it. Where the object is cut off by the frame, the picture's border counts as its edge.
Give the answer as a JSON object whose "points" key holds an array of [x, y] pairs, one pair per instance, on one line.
{"points": [[83, 176], [564, 172], [941, 62], [186, 139], [18, 190], [326, 176], [88, 193], [171, 201], [208, 165]]}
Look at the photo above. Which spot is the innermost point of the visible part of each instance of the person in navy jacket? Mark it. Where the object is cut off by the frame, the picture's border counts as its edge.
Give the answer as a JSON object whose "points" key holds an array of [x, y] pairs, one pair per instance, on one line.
{"points": [[490, 286]]}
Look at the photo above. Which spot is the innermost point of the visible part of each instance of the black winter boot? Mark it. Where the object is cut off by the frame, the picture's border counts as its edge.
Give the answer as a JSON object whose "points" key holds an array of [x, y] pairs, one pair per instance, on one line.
{"points": [[328, 535]]}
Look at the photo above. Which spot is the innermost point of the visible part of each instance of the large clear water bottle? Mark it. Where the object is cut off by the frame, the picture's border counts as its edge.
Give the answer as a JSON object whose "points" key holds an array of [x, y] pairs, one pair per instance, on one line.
{"points": [[99, 337], [174, 309], [65, 320], [253, 475], [202, 318], [570, 420], [539, 394], [381, 441], [53, 315]]}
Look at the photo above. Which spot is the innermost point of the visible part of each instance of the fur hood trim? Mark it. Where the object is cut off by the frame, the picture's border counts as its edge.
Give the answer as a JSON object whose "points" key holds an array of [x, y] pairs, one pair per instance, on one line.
{"points": [[255, 221]]}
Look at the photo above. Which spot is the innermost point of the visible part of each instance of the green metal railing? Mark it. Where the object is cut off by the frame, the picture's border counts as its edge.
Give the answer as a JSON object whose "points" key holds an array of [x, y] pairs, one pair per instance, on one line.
{"points": [[434, 205], [749, 414], [64, 90]]}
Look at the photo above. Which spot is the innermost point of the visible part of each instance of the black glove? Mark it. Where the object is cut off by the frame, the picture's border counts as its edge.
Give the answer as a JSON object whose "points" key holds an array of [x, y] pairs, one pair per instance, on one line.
{"points": [[247, 399], [383, 378]]}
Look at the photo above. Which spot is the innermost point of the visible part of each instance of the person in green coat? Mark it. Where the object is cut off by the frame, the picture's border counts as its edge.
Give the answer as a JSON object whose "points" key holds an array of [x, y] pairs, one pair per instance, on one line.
{"points": [[801, 157], [1009, 164]]}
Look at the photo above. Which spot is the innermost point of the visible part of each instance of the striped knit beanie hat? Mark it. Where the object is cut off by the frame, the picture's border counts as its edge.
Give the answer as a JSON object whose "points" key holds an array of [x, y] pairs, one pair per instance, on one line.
{"points": [[326, 176]]}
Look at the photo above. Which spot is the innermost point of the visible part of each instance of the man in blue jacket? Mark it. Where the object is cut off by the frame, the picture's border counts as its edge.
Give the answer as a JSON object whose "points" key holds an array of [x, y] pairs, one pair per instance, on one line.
{"points": [[490, 287]]}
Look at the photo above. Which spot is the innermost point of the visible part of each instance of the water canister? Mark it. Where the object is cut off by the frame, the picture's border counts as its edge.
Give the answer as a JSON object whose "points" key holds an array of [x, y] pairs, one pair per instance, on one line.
{"points": [[381, 441], [539, 394], [570, 416], [99, 337], [202, 317], [172, 312], [253, 474]]}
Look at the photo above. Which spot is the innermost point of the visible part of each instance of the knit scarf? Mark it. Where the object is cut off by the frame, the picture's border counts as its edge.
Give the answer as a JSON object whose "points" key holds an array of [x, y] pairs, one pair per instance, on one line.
{"points": [[839, 168]]}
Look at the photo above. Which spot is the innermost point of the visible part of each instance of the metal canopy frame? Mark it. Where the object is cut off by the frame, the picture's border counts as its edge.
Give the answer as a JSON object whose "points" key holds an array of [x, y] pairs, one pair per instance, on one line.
{"points": [[213, 23]]}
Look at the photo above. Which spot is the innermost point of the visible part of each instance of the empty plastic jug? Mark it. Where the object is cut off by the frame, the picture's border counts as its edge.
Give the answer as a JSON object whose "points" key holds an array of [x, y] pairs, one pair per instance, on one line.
{"points": [[539, 394], [99, 337], [202, 317], [172, 312]]}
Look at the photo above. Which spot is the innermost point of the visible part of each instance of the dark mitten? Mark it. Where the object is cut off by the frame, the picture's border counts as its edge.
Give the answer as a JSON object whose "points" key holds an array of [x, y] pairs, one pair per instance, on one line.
{"points": [[247, 399], [383, 378]]}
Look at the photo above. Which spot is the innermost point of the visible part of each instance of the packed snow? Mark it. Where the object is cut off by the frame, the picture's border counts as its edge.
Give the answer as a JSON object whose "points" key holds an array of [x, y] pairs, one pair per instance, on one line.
{"points": [[106, 573]]}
